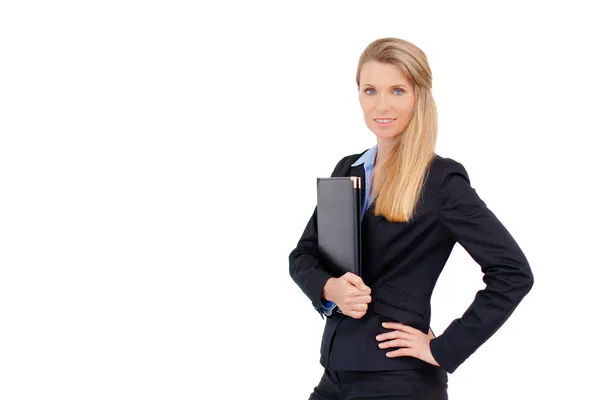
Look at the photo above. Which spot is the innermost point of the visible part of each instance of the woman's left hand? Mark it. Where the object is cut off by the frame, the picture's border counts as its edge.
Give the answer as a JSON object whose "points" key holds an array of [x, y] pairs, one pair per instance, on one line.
{"points": [[412, 341]]}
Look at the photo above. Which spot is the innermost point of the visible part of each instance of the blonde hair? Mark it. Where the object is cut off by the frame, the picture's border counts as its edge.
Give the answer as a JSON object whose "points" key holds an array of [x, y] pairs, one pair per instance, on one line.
{"points": [[407, 166]]}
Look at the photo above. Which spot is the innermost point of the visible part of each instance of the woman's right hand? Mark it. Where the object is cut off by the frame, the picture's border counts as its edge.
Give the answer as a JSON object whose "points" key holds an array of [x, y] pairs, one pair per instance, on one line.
{"points": [[349, 293]]}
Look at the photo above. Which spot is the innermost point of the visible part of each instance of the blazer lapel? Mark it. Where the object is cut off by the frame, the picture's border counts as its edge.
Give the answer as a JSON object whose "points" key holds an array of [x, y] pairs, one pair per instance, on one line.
{"points": [[373, 220]]}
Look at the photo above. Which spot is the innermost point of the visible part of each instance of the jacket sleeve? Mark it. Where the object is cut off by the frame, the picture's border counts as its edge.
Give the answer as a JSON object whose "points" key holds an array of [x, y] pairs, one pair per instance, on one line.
{"points": [[508, 277], [305, 267]]}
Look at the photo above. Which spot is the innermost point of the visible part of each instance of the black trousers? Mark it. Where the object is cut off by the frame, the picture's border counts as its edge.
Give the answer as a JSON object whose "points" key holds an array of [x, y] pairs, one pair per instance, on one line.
{"points": [[414, 384]]}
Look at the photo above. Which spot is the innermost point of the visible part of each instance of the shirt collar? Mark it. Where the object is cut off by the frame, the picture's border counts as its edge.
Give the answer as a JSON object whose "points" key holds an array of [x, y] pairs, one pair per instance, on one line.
{"points": [[368, 158]]}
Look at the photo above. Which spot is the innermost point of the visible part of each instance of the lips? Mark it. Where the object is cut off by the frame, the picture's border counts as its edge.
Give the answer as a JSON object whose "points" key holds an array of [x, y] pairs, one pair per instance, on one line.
{"points": [[384, 121]]}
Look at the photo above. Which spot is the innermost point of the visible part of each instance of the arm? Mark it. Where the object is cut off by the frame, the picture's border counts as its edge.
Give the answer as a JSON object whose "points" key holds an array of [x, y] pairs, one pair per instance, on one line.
{"points": [[327, 307], [305, 267], [507, 274]]}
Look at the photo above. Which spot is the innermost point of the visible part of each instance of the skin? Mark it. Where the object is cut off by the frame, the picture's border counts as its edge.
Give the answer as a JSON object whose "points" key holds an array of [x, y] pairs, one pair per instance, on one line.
{"points": [[411, 342], [384, 92], [349, 293]]}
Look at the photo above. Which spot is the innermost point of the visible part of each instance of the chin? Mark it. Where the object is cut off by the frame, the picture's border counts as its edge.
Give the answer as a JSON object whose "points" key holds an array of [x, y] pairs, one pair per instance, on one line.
{"points": [[385, 135]]}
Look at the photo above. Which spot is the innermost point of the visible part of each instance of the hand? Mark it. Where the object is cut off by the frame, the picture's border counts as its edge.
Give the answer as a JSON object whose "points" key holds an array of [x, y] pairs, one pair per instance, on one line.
{"points": [[412, 342], [349, 293]]}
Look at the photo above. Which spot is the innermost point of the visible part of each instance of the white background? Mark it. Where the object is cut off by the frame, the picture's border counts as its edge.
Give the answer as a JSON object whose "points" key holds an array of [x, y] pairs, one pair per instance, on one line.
{"points": [[158, 163]]}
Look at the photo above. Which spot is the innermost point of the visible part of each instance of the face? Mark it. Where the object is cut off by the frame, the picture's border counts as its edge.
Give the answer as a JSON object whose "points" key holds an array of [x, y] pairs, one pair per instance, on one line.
{"points": [[385, 93]]}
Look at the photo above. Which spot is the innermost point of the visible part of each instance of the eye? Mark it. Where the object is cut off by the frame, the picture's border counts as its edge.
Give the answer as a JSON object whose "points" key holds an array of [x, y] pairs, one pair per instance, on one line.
{"points": [[395, 90]]}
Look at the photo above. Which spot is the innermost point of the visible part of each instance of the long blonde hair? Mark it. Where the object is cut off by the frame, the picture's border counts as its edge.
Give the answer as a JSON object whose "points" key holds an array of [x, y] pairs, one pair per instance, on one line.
{"points": [[407, 166]]}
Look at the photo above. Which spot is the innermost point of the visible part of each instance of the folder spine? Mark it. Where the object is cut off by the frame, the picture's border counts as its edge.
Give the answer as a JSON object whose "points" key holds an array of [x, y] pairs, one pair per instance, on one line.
{"points": [[357, 227]]}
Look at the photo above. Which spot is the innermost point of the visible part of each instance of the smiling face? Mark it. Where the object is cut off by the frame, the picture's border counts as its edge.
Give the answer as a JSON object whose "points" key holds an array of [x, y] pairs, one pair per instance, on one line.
{"points": [[386, 97]]}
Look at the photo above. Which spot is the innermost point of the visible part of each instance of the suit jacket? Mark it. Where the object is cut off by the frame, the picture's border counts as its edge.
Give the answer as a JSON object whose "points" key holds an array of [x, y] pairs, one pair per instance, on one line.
{"points": [[401, 264]]}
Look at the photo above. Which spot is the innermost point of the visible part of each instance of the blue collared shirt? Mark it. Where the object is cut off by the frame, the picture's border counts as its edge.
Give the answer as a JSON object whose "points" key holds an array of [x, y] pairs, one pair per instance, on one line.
{"points": [[368, 161]]}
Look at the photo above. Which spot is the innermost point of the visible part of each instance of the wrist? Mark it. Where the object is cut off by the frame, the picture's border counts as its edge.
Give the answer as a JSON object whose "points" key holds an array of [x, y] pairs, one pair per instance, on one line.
{"points": [[326, 292]]}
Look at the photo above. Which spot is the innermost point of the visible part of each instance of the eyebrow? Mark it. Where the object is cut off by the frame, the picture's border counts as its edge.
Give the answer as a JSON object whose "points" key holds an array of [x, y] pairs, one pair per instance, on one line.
{"points": [[393, 86]]}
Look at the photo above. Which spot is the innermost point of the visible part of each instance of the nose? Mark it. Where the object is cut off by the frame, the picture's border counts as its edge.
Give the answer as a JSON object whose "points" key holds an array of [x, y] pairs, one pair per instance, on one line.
{"points": [[381, 103]]}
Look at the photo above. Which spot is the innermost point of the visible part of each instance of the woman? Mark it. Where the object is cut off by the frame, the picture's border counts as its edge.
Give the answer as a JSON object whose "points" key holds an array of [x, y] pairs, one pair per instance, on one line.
{"points": [[417, 205]]}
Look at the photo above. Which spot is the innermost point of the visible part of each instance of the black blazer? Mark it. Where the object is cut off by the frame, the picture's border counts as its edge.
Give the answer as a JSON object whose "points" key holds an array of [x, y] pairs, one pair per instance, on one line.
{"points": [[401, 264]]}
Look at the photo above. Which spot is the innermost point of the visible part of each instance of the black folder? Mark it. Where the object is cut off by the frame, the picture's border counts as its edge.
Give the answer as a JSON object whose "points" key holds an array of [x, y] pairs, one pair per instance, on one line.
{"points": [[338, 224]]}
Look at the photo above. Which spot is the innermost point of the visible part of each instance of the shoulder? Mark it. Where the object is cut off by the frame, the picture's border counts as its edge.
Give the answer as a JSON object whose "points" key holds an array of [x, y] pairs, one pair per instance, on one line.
{"points": [[345, 163], [448, 178], [454, 190], [442, 168]]}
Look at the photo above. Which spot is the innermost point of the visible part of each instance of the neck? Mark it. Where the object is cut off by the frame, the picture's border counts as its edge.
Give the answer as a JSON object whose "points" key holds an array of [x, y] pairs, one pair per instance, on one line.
{"points": [[384, 148]]}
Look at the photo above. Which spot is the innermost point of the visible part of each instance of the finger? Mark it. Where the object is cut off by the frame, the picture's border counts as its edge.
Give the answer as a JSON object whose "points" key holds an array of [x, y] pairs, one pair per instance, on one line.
{"points": [[358, 307], [353, 291], [400, 327], [392, 325], [361, 299], [356, 291], [395, 343], [356, 314], [349, 298], [407, 351], [393, 335], [356, 281]]}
